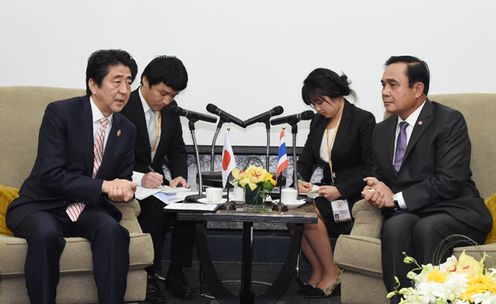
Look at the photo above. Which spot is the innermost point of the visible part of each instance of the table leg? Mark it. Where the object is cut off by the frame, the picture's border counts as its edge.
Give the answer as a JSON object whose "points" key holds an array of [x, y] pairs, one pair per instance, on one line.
{"points": [[214, 284], [246, 296], [280, 285]]}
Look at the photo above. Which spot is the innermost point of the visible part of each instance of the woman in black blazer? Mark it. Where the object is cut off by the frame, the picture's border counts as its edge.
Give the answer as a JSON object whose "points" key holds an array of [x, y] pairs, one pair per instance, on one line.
{"points": [[342, 133]]}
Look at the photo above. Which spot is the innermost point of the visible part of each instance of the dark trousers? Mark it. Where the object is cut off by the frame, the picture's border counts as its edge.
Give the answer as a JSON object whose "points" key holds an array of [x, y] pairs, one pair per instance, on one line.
{"points": [[417, 236], [44, 232], [155, 221]]}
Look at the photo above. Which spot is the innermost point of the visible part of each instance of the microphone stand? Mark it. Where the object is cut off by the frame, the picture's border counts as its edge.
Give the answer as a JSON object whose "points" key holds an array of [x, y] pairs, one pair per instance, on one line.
{"points": [[267, 127], [212, 149], [294, 130], [200, 194]]}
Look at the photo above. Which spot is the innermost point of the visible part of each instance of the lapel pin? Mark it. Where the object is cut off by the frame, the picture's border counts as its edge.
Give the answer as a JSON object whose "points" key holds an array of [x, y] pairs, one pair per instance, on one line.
{"points": [[118, 132], [420, 122]]}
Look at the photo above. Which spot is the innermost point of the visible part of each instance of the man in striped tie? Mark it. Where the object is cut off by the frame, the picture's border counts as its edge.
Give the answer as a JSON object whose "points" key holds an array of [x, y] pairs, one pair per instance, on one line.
{"points": [[84, 161]]}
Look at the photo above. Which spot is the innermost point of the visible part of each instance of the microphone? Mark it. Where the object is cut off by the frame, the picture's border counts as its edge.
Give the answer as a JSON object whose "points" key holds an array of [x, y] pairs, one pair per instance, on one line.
{"points": [[195, 115], [224, 115], [292, 119], [264, 116]]}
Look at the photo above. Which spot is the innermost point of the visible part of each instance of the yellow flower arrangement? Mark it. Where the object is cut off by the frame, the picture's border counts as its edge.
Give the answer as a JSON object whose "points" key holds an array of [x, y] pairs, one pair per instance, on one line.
{"points": [[256, 181], [253, 177]]}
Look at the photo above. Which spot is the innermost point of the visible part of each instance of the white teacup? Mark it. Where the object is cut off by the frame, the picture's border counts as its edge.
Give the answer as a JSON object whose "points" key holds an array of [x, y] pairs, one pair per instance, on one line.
{"points": [[238, 194], [214, 195], [288, 195]]}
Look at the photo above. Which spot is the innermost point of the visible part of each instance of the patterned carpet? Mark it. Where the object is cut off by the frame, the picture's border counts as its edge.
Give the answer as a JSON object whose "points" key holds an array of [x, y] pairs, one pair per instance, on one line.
{"points": [[231, 271]]}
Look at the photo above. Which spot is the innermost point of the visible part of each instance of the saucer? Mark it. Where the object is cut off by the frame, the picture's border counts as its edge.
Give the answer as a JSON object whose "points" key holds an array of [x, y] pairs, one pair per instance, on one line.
{"points": [[204, 201], [295, 204]]}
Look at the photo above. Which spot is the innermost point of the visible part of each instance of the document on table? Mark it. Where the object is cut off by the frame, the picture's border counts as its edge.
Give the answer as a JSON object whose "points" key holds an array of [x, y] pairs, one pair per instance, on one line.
{"points": [[169, 198], [142, 192], [192, 207]]}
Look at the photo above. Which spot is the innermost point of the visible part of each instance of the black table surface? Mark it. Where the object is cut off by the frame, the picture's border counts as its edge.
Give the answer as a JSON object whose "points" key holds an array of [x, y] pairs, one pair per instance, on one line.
{"points": [[301, 215]]}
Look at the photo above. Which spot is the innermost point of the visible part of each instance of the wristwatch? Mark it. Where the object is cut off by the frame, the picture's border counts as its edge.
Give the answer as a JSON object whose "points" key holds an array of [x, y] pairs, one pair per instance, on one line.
{"points": [[396, 205]]}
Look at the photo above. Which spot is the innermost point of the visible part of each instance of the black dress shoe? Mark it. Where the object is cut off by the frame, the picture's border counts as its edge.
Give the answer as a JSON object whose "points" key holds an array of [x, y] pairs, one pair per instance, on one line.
{"points": [[153, 292], [176, 283]]}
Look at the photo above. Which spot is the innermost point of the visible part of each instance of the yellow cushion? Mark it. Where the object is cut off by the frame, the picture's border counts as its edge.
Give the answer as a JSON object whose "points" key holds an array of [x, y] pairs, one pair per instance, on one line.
{"points": [[7, 195], [491, 205]]}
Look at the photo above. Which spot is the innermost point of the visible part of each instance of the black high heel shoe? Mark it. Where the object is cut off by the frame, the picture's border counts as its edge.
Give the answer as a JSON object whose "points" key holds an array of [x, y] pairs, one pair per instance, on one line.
{"points": [[326, 292], [305, 289]]}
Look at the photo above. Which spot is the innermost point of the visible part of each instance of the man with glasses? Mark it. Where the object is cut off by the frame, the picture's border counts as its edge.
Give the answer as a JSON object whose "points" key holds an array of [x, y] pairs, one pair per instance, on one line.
{"points": [[160, 142]]}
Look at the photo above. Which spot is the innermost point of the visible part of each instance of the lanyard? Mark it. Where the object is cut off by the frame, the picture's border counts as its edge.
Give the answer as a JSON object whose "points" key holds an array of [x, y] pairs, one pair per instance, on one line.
{"points": [[330, 144]]}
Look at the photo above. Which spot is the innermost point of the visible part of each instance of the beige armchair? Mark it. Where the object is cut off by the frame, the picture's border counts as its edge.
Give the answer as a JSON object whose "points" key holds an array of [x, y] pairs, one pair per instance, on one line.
{"points": [[22, 109], [359, 253]]}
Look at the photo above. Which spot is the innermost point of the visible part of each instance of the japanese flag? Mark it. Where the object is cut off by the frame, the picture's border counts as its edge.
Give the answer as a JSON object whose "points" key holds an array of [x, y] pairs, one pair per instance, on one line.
{"points": [[228, 161]]}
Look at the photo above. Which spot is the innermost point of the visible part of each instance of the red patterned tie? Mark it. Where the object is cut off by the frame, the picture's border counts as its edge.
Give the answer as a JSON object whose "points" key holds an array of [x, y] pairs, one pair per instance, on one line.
{"points": [[75, 209]]}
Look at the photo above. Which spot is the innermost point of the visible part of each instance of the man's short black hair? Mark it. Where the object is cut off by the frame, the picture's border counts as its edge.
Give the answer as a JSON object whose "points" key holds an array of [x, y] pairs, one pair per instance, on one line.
{"points": [[417, 70], [100, 62], [168, 70]]}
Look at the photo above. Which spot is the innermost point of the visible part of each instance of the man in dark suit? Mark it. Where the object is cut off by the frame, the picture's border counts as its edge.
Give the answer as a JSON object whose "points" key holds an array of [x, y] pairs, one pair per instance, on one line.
{"points": [[160, 142], [422, 177], [85, 158]]}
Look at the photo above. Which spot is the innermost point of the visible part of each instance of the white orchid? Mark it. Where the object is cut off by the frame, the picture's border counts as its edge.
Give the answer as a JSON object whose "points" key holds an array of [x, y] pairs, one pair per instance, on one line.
{"points": [[456, 281]]}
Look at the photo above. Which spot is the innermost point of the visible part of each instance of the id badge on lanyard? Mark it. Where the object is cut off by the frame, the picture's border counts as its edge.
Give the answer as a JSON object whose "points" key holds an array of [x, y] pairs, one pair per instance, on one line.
{"points": [[340, 211]]}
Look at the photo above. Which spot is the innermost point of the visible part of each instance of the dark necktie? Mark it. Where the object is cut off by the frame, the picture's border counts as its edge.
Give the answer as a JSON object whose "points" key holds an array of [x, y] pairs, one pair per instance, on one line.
{"points": [[400, 146]]}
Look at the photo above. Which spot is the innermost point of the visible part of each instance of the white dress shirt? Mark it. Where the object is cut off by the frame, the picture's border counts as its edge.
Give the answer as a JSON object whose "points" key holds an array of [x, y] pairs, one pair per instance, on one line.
{"points": [[97, 115]]}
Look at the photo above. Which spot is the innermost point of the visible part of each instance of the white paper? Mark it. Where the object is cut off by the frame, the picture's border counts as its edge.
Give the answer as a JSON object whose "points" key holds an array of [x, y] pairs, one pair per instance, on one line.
{"points": [[137, 176], [192, 207], [142, 192]]}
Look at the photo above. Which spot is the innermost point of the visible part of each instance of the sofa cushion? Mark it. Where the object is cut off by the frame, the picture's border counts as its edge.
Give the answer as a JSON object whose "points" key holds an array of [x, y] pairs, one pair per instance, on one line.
{"points": [[7, 195], [76, 257], [366, 257], [491, 205]]}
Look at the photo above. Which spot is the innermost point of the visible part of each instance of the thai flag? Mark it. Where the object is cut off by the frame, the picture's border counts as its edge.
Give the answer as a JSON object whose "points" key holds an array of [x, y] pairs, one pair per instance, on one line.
{"points": [[282, 157]]}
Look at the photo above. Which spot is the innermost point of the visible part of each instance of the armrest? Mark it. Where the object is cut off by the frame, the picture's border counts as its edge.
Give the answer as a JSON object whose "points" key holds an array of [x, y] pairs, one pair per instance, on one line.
{"points": [[368, 220], [130, 211]]}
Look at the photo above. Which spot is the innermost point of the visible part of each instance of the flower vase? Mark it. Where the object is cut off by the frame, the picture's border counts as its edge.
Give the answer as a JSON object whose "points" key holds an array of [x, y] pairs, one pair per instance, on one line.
{"points": [[256, 197]]}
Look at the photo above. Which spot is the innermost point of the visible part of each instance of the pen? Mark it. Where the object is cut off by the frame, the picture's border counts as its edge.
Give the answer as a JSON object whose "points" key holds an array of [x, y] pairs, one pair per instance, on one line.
{"points": [[298, 175], [150, 168]]}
